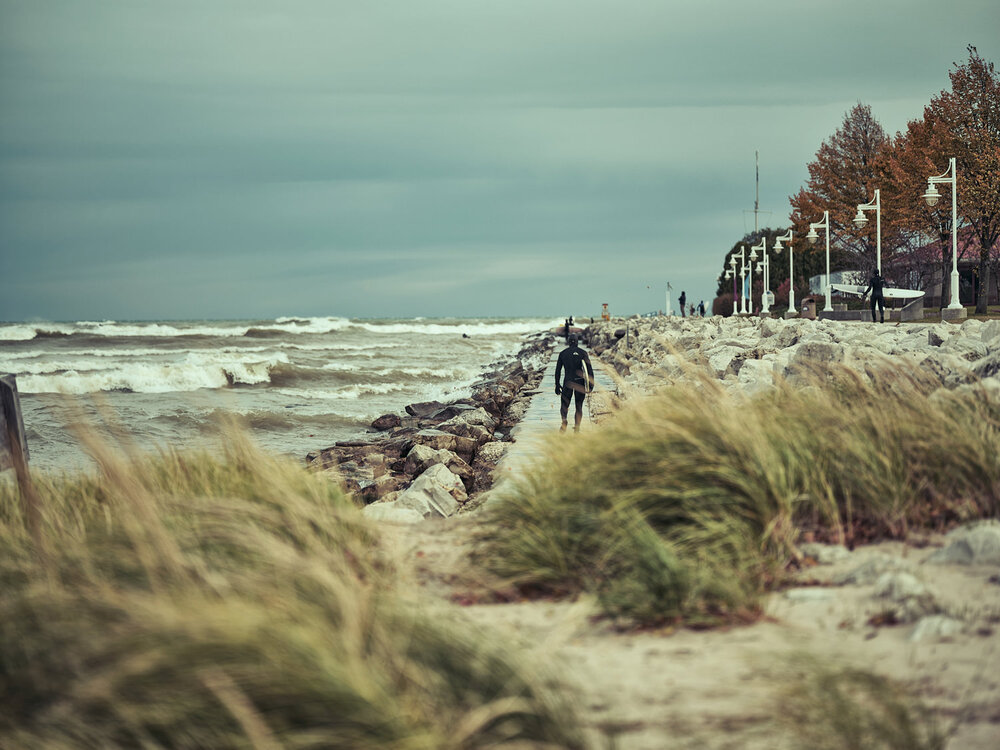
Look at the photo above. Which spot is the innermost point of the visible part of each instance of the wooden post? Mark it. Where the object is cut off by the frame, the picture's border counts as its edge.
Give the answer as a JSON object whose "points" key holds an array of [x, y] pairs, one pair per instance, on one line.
{"points": [[14, 452]]}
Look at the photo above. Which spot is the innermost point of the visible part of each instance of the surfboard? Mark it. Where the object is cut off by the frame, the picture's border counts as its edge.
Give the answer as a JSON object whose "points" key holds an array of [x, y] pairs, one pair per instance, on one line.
{"points": [[889, 292]]}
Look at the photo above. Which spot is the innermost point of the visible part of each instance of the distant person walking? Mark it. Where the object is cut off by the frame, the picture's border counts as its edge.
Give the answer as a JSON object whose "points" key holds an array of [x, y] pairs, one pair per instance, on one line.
{"points": [[875, 286], [701, 309], [683, 300], [577, 375]]}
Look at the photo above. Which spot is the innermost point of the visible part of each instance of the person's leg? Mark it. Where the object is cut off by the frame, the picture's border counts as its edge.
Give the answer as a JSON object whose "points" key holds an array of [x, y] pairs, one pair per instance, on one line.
{"points": [[578, 417], [567, 395], [881, 310], [872, 301]]}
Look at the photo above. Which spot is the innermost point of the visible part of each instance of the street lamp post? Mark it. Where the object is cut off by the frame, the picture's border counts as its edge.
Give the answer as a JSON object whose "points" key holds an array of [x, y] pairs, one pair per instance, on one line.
{"points": [[734, 272], [860, 220], [812, 237], [791, 267], [763, 268], [931, 197], [750, 260]]}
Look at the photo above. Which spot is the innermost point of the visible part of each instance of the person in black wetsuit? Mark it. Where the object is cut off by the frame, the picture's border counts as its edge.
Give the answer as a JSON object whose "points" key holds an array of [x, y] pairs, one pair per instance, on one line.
{"points": [[577, 380], [875, 286]]}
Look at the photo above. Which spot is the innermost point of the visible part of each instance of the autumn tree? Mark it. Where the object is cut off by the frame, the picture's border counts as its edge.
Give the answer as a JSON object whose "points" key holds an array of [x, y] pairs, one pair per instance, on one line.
{"points": [[847, 170], [915, 155], [965, 123]]}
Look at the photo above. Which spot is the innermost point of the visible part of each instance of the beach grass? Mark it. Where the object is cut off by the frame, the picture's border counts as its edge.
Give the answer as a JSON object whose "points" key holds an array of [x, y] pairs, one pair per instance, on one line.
{"points": [[689, 504], [237, 601], [828, 707]]}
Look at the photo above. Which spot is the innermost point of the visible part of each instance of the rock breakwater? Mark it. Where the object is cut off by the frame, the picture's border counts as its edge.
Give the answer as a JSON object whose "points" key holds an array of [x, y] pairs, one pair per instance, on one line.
{"points": [[752, 353], [430, 460]]}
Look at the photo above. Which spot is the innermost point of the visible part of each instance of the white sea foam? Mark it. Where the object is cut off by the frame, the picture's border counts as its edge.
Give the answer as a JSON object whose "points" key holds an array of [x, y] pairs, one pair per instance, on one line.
{"points": [[113, 329], [197, 370], [513, 327]]}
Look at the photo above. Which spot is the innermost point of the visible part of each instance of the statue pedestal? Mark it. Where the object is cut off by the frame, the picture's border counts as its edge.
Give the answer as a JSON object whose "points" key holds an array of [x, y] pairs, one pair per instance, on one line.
{"points": [[949, 313]]}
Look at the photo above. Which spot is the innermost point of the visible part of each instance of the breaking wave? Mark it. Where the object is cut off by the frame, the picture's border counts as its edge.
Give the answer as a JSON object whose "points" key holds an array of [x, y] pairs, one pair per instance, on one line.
{"points": [[263, 329], [196, 371]]}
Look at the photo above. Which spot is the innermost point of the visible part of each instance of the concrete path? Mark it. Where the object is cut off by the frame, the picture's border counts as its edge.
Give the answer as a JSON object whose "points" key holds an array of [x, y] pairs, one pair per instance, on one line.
{"points": [[541, 421]]}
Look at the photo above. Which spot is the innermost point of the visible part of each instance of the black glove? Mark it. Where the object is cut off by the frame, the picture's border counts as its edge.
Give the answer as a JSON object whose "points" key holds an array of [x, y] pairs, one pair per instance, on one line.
{"points": [[558, 389]]}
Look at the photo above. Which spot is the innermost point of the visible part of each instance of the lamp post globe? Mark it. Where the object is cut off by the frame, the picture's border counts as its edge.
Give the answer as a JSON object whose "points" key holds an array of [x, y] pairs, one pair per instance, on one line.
{"points": [[932, 196]]}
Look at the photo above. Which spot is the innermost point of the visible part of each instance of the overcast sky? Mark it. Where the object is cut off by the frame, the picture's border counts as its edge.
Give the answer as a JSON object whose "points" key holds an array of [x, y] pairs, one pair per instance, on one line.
{"points": [[233, 159]]}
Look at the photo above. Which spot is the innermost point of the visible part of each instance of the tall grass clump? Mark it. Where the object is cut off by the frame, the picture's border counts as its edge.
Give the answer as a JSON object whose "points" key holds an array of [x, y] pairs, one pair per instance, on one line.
{"points": [[843, 708], [187, 601], [688, 505]]}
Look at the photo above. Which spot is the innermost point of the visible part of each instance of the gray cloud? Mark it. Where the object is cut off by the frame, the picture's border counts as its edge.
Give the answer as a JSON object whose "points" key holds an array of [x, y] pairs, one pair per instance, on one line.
{"points": [[233, 159]]}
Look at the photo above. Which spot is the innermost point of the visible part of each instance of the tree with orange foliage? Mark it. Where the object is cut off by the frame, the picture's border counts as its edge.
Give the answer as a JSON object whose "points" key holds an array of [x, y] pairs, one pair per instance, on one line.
{"points": [[965, 123], [913, 156], [846, 172]]}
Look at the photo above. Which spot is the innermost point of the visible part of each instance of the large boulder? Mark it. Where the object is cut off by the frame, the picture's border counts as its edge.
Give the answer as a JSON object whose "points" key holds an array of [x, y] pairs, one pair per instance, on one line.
{"points": [[424, 409], [756, 375], [457, 426], [357, 480], [386, 422], [937, 335], [436, 492], [904, 597], [976, 544], [422, 457], [725, 359], [990, 333], [452, 410]]}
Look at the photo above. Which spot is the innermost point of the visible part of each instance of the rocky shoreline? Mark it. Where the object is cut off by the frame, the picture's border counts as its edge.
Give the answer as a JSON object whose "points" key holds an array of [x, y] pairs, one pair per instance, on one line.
{"points": [[751, 354], [431, 460]]}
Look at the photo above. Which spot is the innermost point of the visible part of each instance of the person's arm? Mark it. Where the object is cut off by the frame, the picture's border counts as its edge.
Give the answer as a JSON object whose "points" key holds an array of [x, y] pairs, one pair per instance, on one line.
{"points": [[559, 366]]}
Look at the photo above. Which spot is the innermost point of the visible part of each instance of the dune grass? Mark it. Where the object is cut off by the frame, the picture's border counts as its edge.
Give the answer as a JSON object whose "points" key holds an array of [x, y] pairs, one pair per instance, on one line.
{"points": [[688, 505], [187, 601], [825, 707]]}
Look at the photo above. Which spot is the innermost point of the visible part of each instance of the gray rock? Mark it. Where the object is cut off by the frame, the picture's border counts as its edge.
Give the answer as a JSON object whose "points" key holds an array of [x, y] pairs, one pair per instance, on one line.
{"points": [[811, 594], [386, 422], [990, 333], [908, 599], [421, 456], [988, 366], [978, 544], [788, 335], [458, 426], [898, 586], [437, 491], [966, 348], [936, 627], [356, 479], [869, 571], [477, 416], [818, 351], [391, 513], [756, 375], [491, 452], [771, 327], [724, 360], [937, 335], [824, 554], [424, 409]]}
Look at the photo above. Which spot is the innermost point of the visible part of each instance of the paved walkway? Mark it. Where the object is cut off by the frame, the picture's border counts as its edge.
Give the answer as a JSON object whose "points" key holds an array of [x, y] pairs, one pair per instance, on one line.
{"points": [[542, 420]]}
